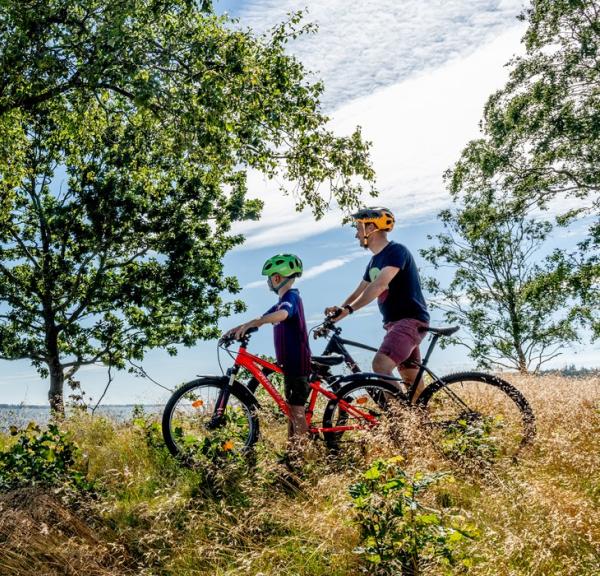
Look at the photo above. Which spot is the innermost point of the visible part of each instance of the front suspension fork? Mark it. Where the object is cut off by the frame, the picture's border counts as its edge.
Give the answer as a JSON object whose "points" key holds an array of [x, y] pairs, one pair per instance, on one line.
{"points": [[221, 403]]}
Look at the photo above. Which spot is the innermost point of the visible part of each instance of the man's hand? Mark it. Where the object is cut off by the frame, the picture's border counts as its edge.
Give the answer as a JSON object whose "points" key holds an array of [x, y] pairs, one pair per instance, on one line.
{"points": [[335, 313], [331, 310]]}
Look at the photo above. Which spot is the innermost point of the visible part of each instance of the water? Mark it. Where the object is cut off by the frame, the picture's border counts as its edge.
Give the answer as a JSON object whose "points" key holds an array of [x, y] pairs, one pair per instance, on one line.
{"points": [[20, 416]]}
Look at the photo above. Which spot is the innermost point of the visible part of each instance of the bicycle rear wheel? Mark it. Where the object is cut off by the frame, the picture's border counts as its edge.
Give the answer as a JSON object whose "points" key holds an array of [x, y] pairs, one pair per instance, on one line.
{"points": [[477, 416], [194, 429], [359, 406]]}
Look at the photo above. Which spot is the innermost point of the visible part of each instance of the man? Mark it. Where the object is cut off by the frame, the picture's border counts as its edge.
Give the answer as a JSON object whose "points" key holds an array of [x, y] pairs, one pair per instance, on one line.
{"points": [[391, 277]]}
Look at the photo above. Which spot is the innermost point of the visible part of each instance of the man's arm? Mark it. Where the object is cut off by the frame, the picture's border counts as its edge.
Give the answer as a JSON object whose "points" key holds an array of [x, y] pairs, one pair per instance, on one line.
{"points": [[371, 291], [357, 293], [359, 290]]}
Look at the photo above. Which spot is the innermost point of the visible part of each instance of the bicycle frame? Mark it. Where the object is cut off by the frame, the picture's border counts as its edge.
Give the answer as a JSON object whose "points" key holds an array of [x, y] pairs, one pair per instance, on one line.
{"points": [[337, 345], [254, 365]]}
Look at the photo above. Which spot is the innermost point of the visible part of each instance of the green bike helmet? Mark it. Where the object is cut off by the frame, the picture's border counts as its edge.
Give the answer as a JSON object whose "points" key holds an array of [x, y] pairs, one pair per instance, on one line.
{"points": [[284, 264]]}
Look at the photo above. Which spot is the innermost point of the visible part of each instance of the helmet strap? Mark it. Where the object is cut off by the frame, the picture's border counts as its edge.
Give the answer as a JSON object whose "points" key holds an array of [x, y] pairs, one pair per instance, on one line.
{"points": [[365, 239], [280, 285]]}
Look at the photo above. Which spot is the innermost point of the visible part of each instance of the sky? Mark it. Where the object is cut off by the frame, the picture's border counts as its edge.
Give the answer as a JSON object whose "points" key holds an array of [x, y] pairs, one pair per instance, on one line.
{"points": [[415, 75]]}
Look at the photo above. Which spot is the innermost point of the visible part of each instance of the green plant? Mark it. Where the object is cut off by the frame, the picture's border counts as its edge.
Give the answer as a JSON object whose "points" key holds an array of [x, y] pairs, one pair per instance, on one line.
{"points": [[472, 439], [399, 534], [40, 457], [218, 471]]}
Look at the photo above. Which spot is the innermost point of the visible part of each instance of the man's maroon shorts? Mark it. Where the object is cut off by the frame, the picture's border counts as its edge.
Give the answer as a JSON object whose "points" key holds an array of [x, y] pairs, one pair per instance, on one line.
{"points": [[401, 343]]}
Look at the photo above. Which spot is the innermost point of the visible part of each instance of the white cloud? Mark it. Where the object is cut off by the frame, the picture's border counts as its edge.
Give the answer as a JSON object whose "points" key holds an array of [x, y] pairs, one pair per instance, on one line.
{"points": [[418, 128], [362, 46]]}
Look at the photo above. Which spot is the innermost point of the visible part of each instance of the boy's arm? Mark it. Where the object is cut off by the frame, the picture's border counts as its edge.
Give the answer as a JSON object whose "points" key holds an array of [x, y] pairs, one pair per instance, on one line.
{"points": [[271, 318]]}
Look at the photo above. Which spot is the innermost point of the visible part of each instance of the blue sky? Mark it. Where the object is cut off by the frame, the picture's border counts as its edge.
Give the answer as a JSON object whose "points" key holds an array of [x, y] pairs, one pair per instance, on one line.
{"points": [[414, 74]]}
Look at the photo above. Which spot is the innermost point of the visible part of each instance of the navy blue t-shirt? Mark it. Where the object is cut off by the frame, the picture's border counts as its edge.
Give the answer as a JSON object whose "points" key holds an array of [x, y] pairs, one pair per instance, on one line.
{"points": [[291, 336], [403, 298]]}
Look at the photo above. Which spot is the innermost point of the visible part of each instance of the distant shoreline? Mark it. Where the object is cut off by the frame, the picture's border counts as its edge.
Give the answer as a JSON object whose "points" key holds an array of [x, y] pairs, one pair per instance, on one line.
{"points": [[43, 406], [20, 415]]}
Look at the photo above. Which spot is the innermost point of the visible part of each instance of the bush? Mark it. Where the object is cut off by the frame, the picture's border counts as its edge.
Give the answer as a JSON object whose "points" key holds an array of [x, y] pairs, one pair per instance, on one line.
{"points": [[399, 535], [40, 458], [465, 440]]}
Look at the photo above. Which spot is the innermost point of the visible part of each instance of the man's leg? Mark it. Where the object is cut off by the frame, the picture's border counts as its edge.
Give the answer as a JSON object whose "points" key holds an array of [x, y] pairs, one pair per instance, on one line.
{"points": [[409, 375], [400, 348], [383, 364]]}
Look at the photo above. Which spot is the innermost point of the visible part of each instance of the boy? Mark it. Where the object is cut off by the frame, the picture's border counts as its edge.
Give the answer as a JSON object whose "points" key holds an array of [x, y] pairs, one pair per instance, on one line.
{"points": [[291, 338]]}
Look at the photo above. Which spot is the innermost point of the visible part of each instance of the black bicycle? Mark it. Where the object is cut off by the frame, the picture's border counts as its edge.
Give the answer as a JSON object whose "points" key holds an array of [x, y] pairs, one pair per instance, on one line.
{"points": [[471, 413]]}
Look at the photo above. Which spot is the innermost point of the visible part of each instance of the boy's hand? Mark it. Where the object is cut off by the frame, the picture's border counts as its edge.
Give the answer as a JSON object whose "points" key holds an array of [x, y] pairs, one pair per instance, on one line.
{"points": [[240, 330]]}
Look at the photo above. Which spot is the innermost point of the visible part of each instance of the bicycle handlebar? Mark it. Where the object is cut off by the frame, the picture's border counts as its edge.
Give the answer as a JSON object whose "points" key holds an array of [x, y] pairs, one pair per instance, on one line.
{"points": [[322, 330], [225, 340]]}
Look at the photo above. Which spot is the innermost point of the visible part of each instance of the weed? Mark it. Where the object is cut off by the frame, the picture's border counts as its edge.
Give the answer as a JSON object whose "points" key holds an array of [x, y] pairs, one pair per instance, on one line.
{"points": [[399, 534], [40, 457]]}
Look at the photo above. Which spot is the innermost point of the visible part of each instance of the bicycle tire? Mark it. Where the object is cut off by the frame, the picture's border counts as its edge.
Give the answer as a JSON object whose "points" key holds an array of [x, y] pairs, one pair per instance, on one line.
{"points": [[373, 396], [478, 415], [187, 418]]}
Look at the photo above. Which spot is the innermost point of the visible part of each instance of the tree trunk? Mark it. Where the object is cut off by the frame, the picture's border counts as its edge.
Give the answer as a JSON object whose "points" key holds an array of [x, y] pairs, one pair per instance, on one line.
{"points": [[56, 394], [522, 363]]}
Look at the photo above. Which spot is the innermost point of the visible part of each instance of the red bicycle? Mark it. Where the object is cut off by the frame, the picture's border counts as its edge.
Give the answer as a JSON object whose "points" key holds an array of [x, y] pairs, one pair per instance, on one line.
{"points": [[212, 416], [466, 413]]}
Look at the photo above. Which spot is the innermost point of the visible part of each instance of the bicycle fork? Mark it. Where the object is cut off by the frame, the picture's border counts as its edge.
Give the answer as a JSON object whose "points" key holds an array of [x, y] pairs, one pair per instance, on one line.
{"points": [[222, 400]]}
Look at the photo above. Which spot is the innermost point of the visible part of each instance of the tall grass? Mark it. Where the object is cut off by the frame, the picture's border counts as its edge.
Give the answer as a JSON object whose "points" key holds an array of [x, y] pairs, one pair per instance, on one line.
{"points": [[539, 516]]}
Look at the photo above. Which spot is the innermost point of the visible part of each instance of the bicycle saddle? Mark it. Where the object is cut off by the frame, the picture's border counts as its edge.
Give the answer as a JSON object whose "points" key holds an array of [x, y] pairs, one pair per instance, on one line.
{"points": [[444, 331], [331, 360]]}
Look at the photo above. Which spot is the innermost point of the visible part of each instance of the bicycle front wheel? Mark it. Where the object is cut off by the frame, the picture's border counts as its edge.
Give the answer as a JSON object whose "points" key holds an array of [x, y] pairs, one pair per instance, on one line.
{"points": [[359, 406], [477, 416], [206, 418]]}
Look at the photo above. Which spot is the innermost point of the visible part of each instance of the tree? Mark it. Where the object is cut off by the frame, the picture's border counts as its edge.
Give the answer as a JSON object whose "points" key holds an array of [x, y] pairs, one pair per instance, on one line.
{"points": [[541, 136], [128, 131], [512, 308]]}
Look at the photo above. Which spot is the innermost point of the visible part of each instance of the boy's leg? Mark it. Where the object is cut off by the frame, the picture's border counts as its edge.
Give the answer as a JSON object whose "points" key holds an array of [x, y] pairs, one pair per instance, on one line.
{"points": [[298, 421], [296, 393]]}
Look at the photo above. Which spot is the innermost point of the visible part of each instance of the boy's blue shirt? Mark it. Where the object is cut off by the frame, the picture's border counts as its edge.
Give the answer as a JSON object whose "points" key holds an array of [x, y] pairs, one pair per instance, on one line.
{"points": [[291, 335]]}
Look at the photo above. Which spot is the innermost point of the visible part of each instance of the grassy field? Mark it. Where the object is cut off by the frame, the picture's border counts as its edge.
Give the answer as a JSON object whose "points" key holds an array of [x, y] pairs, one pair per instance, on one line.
{"points": [[539, 516]]}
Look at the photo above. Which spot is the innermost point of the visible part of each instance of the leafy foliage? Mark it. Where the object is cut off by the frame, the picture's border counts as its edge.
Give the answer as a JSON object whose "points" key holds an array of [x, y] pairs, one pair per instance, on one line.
{"points": [[471, 440], [400, 535], [126, 133], [218, 470], [512, 306], [40, 458], [541, 143]]}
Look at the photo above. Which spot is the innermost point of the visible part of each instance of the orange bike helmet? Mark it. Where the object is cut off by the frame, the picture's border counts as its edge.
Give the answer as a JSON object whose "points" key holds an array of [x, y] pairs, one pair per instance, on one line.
{"points": [[381, 217]]}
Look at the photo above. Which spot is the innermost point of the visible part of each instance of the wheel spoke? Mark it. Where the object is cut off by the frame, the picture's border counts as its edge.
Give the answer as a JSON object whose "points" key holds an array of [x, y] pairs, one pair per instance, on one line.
{"points": [[203, 422], [480, 417]]}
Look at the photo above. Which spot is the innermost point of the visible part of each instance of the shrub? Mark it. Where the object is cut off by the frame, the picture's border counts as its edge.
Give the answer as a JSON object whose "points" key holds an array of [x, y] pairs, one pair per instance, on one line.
{"points": [[399, 535], [40, 457], [471, 440]]}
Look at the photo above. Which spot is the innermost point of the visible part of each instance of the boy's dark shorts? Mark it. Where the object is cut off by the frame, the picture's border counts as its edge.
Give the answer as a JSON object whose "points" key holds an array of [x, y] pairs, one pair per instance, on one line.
{"points": [[296, 389]]}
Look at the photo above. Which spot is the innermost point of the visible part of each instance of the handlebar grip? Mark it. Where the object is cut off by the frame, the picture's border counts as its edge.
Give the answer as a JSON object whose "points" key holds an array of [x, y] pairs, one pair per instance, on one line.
{"points": [[231, 338], [335, 314]]}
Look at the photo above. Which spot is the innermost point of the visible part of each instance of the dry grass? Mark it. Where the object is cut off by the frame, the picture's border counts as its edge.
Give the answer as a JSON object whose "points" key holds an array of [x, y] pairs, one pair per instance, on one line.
{"points": [[537, 517]]}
